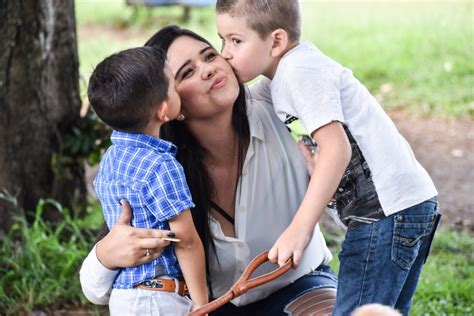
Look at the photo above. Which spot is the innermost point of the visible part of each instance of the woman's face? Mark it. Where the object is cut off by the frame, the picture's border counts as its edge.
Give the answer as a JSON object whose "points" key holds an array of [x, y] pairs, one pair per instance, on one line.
{"points": [[205, 81]]}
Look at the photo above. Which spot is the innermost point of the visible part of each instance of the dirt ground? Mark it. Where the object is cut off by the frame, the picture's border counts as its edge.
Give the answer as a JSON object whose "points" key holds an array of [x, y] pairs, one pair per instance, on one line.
{"points": [[445, 147]]}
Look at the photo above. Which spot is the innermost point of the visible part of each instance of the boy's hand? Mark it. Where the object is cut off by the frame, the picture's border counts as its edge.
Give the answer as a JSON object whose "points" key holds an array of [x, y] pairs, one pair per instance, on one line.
{"points": [[309, 156], [291, 243]]}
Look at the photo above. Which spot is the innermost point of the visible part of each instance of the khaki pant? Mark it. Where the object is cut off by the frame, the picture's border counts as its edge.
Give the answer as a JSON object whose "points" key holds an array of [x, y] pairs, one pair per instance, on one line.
{"points": [[146, 302]]}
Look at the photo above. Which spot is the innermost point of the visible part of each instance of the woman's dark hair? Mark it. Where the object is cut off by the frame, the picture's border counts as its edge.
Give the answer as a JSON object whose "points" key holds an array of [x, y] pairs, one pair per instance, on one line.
{"points": [[191, 153]]}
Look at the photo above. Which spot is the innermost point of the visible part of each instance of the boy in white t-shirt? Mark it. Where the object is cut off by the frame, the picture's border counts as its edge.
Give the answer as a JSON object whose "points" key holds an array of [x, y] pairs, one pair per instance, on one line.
{"points": [[381, 192]]}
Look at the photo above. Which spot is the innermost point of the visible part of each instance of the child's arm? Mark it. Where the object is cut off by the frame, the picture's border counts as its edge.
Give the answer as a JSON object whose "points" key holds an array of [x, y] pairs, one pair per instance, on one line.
{"points": [[190, 253], [334, 156]]}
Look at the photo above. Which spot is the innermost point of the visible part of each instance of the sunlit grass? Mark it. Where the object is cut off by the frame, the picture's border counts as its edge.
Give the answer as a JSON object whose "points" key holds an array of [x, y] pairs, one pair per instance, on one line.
{"points": [[447, 280], [412, 55], [417, 56]]}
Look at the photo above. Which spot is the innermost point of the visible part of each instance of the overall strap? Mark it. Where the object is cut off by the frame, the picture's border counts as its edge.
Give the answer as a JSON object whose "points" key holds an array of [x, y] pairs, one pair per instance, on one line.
{"points": [[221, 211]]}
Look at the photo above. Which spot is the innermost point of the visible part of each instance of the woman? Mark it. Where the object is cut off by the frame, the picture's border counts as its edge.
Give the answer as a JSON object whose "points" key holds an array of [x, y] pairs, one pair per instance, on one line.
{"points": [[247, 178]]}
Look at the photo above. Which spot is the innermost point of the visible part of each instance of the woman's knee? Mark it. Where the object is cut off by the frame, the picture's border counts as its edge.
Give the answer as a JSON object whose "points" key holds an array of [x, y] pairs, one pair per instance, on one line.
{"points": [[316, 302]]}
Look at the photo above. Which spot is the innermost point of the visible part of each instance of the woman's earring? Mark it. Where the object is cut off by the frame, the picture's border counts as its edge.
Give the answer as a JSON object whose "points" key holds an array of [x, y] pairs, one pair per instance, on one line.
{"points": [[180, 117]]}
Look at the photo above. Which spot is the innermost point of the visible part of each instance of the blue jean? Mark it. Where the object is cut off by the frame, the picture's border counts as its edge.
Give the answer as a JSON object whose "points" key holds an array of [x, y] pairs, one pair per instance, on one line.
{"points": [[381, 262], [274, 305]]}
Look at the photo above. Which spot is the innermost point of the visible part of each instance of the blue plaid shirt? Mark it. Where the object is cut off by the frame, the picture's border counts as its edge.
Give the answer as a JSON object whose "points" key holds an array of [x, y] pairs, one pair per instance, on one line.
{"points": [[143, 170]]}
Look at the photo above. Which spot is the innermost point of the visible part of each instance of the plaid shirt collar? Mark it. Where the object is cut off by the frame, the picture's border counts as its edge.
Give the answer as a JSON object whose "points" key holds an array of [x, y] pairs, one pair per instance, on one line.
{"points": [[143, 141]]}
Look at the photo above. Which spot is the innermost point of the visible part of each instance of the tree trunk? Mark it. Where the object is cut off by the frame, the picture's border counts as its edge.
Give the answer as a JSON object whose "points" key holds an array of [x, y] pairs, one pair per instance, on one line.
{"points": [[39, 104]]}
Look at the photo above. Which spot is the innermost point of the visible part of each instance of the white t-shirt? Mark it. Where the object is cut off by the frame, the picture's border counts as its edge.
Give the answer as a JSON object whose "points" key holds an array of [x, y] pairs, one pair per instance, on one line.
{"points": [[317, 90], [273, 183]]}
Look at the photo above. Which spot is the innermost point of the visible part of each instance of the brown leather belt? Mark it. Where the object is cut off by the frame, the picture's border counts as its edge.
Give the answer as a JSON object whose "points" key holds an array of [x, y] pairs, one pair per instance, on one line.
{"points": [[164, 285]]}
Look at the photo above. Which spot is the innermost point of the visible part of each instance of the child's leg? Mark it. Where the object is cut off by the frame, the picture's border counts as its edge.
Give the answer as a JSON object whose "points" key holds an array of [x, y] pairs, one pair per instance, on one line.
{"points": [[405, 299], [376, 259]]}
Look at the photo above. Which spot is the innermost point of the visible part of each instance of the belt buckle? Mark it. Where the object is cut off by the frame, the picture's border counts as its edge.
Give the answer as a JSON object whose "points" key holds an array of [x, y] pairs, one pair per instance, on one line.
{"points": [[153, 284]]}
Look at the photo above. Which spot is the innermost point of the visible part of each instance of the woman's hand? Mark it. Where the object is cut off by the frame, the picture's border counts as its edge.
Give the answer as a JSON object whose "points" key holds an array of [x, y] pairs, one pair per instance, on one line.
{"points": [[126, 246], [309, 156]]}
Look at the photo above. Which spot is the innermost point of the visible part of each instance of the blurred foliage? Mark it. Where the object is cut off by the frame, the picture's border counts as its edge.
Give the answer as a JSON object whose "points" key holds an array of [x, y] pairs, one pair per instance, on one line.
{"points": [[39, 262], [88, 139]]}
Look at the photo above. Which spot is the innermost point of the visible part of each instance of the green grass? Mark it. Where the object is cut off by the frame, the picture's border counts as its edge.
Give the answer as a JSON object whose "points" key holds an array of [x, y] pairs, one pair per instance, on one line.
{"points": [[39, 262], [423, 51], [417, 56], [106, 27], [39, 265], [447, 280]]}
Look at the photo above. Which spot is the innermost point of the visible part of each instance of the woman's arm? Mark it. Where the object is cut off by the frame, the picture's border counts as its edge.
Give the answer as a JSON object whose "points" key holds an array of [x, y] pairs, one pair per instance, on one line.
{"points": [[123, 246], [260, 90], [96, 280]]}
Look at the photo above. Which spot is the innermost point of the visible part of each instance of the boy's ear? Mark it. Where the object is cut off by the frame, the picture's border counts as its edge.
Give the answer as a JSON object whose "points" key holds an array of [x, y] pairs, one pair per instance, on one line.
{"points": [[280, 42], [161, 111]]}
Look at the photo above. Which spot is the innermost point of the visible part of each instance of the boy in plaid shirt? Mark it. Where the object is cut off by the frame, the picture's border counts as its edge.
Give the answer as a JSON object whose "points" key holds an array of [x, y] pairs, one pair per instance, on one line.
{"points": [[133, 92]]}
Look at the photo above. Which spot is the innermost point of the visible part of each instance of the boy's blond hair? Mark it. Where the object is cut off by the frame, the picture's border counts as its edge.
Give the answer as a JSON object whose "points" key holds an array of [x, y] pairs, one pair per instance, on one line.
{"points": [[265, 16], [375, 310]]}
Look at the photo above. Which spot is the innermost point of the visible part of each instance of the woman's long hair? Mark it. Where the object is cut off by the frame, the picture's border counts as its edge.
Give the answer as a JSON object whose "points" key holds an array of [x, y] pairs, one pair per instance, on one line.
{"points": [[191, 153]]}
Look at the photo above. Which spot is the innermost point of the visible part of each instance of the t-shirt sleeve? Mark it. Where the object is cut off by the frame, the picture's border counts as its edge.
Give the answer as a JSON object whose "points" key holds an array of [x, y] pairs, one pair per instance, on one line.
{"points": [[96, 280], [261, 90], [167, 194], [314, 95]]}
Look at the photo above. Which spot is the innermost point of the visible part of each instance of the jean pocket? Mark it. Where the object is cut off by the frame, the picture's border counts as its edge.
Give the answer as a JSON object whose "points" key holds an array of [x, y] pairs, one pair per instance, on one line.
{"points": [[410, 231]]}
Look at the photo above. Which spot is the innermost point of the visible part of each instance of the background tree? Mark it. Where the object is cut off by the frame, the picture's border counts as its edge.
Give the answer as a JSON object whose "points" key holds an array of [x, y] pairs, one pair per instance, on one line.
{"points": [[39, 105]]}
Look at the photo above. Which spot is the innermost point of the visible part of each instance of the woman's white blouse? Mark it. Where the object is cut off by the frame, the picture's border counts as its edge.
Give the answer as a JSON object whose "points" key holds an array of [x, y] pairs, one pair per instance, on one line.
{"points": [[273, 183]]}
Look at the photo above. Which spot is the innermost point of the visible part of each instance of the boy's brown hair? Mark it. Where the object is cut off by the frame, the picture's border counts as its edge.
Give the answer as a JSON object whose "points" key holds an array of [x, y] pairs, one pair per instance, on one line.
{"points": [[375, 310], [265, 16], [125, 88]]}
